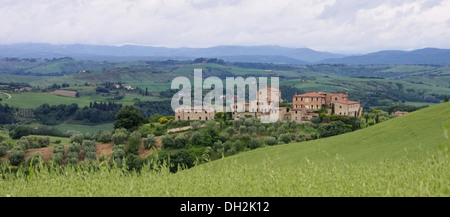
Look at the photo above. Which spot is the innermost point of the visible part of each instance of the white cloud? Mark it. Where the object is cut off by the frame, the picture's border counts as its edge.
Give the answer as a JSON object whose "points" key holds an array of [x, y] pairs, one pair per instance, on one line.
{"points": [[332, 25]]}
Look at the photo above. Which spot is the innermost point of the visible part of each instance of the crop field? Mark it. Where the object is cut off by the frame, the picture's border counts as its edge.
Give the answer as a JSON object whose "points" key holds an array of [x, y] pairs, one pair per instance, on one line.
{"points": [[87, 128], [33, 100], [428, 176]]}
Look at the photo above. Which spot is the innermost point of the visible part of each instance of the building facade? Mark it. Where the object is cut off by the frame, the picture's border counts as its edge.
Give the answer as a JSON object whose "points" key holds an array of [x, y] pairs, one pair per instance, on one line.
{"points": [[304, 107], [199, 113]]}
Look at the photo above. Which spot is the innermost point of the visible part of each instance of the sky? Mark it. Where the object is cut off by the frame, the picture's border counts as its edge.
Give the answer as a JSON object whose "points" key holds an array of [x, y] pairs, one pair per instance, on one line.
{"points": [[341, 26]]}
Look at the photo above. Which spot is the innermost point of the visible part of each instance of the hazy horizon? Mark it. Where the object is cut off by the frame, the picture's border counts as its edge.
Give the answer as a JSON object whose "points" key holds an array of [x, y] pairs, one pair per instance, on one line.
{"points": [[337, 26]]}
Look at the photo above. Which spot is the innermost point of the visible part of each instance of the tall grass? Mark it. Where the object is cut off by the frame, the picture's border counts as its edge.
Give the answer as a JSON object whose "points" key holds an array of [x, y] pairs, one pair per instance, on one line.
{"points": [[426, 176]]}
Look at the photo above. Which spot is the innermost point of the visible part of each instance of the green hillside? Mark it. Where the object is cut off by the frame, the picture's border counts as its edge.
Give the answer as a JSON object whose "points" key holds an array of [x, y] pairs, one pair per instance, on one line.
{"points": [[411, 135], [398, 157]]}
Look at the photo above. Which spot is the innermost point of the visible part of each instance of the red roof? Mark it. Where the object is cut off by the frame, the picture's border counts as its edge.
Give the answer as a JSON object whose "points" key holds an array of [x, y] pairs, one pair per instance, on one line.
{"points": [[400, 112], [348, 102], [312, 94]]}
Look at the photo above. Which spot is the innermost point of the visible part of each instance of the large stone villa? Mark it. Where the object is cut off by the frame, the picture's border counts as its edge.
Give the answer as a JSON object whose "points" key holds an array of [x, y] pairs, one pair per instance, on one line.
{"points": [[304, 107]]}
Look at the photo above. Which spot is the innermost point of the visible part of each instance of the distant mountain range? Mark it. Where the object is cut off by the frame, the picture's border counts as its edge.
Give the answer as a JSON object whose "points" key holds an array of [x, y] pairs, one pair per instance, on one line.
{"points": [[261, 54]]}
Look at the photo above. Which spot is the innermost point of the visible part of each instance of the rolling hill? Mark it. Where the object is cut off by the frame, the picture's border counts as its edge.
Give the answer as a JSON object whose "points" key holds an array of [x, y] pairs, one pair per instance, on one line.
{"points": [[411, 135], [395, 57], [272, 54]]}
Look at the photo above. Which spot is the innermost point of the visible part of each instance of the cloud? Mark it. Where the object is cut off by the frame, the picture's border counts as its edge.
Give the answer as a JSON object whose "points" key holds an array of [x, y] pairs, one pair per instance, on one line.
{"points": [[332, 25]]}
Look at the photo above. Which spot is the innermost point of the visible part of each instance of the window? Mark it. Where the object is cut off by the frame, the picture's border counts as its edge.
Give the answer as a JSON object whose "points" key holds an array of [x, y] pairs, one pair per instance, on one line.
{"points": [[199, 118], [179, 118], [188, 118], [206, 118], [335, 98], [206, 112], [340, 106]]}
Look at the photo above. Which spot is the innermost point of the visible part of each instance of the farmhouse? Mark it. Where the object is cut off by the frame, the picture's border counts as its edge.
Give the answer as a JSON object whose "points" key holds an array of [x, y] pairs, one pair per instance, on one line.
{"points": [[304, 107], [311, 101], [194, 113], [400, 113]]}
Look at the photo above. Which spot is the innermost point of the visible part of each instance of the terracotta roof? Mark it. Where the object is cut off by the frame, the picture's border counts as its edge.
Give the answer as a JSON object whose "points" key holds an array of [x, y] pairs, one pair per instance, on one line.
{"points": [[338, 94], [347, 102], [401, 112], [185, 107], [312, 94]]}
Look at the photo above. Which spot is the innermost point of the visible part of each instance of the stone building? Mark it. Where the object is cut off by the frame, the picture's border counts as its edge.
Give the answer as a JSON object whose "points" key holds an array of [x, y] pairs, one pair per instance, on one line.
{"points": [[194, 113], [305, 106], [312, 101]]}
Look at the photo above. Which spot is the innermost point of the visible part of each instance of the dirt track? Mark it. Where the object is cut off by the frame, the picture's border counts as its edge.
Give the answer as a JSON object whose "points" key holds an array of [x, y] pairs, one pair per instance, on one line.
{"points": [[7, 94]]}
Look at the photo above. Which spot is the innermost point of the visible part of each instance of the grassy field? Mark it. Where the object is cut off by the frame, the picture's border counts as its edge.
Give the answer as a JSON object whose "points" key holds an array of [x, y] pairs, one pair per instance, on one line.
{"points": [[53, 139], [33, 100], [87, 128], [398, 157]]}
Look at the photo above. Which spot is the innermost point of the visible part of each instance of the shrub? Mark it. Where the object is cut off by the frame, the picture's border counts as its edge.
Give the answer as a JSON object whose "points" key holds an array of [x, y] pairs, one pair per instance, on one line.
{"points": [[90, 156], [19, 132], [149, 142], [316, 120], [43, 141], [57, 142], [167, 141], [4, 147], [89, 143], [254, 142], [75, 147], [57, 158], [242, 129], [333, 128], [285, 138], [178, 159], [133, 143], [262, 130], [270, 141], [300, 138], [16, 156], [121, 130], [270, 130], [36, 158], [230, 131], [223, 136], [104, 137], [72, 157], [252, 129], [231, 151], [22, 144], [58, 154], [218, 149], [119, 138], [180, 142], [134, 162], [196, 138], [78, 138], [118, 153], [195, 125]]}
